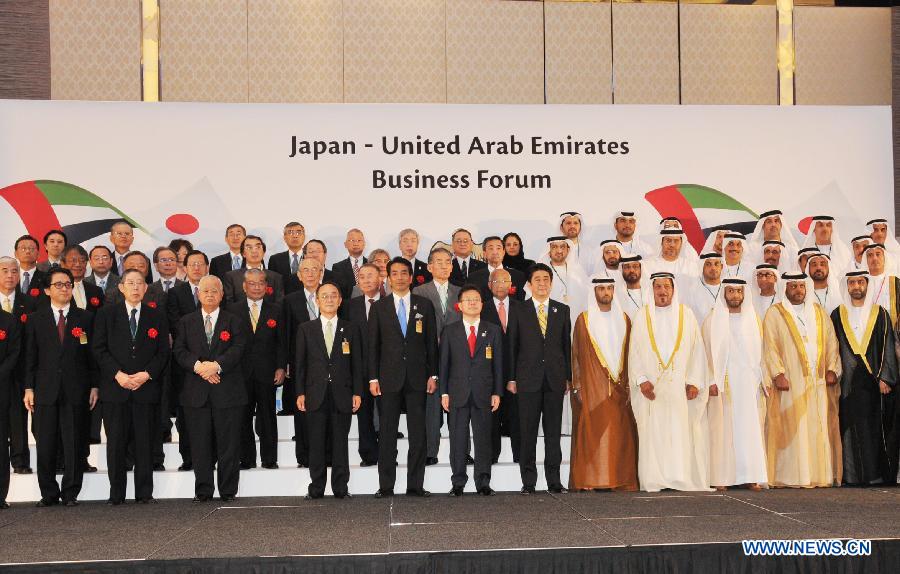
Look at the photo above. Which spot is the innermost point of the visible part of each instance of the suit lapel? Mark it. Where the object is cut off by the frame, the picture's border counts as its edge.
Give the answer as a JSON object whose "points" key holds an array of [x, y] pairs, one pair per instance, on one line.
{"points": [[319, 337]]}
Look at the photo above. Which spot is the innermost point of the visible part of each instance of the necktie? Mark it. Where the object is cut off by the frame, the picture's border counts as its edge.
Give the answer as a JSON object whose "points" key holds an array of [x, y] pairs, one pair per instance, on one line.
{"points": [[329, 336], [501, 311], [401, 316], [7, 305], [208, 327], [235, 263], [102, 284], [133, 324], [79, 297], [442, 293], [196, 295], [381, 290], [356, 270], [472, 341], [542, 319], [311, 306], [61, 326], [119, 258], [254, 315], [295, 264], [166, 285], [26, 282], [465, 268], [369, 307]]}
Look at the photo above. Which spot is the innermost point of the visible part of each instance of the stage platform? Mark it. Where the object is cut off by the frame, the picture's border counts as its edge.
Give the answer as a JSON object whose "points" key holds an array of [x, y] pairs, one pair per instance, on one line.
{"points": [[575, 532]]}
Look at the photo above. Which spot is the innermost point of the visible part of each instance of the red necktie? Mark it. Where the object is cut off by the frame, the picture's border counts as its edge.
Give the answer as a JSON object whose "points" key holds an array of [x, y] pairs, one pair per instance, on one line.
{"points": [[501, 311], [472, 341], [61, 326]]}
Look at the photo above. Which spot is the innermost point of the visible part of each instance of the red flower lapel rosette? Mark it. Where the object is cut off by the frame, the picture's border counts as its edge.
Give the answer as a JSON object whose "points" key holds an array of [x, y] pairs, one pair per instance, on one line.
{"points": [[34, 292], [456, 307], [2, 335], [152, 333], [151, 304], [420, 279], [95, 302], [512, 289], [23, 318], [269, 290], [224, 335], [77, 332], [271, 323]]}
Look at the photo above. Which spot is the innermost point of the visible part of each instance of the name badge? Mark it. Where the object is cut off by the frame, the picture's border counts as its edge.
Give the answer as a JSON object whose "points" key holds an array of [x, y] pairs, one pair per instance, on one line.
{"points": [[83, 339], [488, 352], [419, 326], [345, 347]]}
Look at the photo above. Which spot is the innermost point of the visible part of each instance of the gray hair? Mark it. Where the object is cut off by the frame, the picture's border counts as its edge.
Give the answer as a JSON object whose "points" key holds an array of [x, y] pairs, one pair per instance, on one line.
{"points": [[7, 260], [408, 231], [208, 279], [255, 271]]}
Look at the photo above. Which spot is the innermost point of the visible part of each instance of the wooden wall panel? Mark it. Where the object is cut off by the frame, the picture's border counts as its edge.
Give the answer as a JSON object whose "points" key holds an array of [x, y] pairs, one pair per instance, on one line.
{"points": [[645, 53], [578, 51]]}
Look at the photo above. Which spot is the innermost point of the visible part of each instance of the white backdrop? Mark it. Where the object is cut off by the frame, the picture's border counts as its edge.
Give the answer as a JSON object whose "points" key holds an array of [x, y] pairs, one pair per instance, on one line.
{"points": [[227, 163]]}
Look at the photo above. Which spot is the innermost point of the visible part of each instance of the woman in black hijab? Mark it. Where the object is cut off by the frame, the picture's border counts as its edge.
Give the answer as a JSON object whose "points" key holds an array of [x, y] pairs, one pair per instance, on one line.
{"points": [[515, 253]]}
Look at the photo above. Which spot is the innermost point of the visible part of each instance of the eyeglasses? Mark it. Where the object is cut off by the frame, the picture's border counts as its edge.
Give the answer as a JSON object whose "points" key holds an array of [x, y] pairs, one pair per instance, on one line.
{"points": [[294, 232], [328, 297], [135, 283], [100, 257], [256, 284], [470, 300], [196, 265], [62, 285], [167, 260]]}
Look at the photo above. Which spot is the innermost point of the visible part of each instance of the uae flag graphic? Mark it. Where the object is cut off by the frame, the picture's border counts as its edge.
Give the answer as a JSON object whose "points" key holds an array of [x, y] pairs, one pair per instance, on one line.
{"points": [[45, 204], [702, 210]]}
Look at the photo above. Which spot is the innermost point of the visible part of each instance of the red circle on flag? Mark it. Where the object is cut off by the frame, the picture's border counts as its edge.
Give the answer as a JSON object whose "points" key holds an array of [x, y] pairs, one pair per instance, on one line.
{"points": [[182, 223]]}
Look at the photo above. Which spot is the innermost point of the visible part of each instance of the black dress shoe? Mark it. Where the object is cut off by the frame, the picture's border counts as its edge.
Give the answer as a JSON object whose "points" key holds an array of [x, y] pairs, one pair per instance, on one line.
{"points": [[158, 467], [228, 498], [72, 502], [487, 491], [310, 496], [186, 466], [495, 460], [247, 465], [558, 489], [456, 491], [469, 459], [527, 490], [431, 461], [45, 502], [370, 463], [399, 434], [22, 470], [129, 467], [202, 498], [270, 465], [167, 438], [149, 500], [383, 493], [114, 502], [3, 505], [416, 492], [88, 468], [343, 496]]}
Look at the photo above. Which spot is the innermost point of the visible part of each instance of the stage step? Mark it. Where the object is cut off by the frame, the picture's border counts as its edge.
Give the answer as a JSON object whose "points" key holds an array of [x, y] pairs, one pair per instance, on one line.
{"points": [[287, 456]]}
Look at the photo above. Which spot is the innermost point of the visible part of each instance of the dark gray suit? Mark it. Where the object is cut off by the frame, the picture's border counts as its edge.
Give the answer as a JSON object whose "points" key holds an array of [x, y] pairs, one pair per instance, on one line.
{"points": [[110, 290], [433, 402], [470, 380]]}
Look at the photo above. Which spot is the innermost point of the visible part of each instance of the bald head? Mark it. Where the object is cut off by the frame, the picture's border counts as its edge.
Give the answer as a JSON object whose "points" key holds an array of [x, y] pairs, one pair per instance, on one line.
{"points": [[500, 283]]}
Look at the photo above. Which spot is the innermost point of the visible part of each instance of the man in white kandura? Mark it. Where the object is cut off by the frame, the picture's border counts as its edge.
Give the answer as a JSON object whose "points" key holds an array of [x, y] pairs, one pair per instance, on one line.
{"points": [[667, 375], [736, 407]]}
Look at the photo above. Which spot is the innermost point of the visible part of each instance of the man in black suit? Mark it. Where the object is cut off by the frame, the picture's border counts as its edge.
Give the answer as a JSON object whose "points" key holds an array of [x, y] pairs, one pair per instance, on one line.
{"points": [[138, 261], [182, 300], [166, 262], [264, 366], [330, 382], [299, 307], [14, 302], [287, 263], [497, 310], [131, 347], [59, 386], [540, 345], [357, 311], [471, 377], [210, 347], [492, 247], [347, 270], [233, 259], [409, 247], [463, 262], [10, 347], [402, 369], [27, 249], [91, 298], [55, 241], [254, 250], [101, 258], [121, 235]]}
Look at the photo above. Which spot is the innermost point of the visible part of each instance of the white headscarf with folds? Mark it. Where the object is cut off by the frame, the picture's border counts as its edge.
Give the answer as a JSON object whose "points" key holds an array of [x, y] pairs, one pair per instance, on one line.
{"points": [[758, 236], [838, 251], [833, 289], [607, 328], [720, 331]]}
